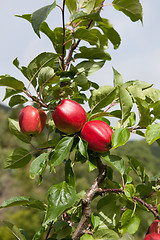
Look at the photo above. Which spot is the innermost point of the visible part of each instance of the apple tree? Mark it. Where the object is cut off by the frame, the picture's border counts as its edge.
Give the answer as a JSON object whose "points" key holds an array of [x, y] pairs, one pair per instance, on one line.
{"points": [[60, 88]]}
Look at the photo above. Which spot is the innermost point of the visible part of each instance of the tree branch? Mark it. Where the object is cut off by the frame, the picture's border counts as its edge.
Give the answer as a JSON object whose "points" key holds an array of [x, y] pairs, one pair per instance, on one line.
{"points": [[86, 202], [75, 45], [64, 32]]}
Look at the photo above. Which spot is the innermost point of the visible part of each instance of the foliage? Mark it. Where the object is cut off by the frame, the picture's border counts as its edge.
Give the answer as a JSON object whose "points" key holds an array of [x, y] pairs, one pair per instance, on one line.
{"points": [[79, 51]]}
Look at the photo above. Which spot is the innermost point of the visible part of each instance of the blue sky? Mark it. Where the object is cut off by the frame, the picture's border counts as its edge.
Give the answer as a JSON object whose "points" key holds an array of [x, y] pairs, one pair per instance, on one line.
{"points": [[138, 56]]}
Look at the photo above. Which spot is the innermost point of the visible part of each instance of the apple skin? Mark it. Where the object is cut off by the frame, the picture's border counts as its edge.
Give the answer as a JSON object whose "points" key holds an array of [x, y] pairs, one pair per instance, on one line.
{"points": [[152, 236], [32, 121], [69, 116], [98, 135], [155, 227]]}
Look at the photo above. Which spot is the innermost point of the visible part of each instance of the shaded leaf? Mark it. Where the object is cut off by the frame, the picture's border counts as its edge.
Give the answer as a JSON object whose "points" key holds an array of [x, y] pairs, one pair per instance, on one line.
{"points": [[89, 67], [14, 229], [93, 53], [47, 76], [23, 201], [12, 83], [69, 174], [40, 15], [15, 130], [18, 158], [17, 99], [61, 197], [9, 92]]}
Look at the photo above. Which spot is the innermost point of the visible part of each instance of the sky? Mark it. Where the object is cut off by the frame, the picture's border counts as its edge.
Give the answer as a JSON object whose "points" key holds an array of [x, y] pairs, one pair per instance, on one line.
{"points": [[137, 58]]}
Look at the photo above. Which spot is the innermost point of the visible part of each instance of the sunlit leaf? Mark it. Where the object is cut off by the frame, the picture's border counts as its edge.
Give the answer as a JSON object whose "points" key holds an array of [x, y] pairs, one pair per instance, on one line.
{"points": [[152, 133], [17, 99], [131, 8], [120, 136], [61, 197], [12, 83], [38, 165]]}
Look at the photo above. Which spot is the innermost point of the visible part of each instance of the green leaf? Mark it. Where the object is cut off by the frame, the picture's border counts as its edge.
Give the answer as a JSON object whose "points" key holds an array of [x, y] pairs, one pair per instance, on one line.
{"points": [[116, 162], [82, 81], [12, 83], [18, 158], [71, 5], [61, 150], [127, 236], [17, 99], [120, 136], [82, 146], [93, 53], [14, 229], [47, 76], [152, 93], [143, 190], [95, 220], [152, 133], [38, 165], [126, 102], [130, 222], [89, 67], [23, 201], [86, 35], [118, 80], [145, 115], [69, 174], [155, 111], [137, 168], [39, 234], [136, 92], [101, 97], [40, 15], [61, 197], [89, 5], [9, 92], [87, 237], [109, 31], [129, 190], [131, 8], [15, 130], [33, 68]]}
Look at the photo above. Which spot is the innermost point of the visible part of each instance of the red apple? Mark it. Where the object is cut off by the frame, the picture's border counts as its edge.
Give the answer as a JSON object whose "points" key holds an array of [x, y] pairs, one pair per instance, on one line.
{"points": [[155, 227], [152, 236], [98, 135], [32, 121], [69, 116]]}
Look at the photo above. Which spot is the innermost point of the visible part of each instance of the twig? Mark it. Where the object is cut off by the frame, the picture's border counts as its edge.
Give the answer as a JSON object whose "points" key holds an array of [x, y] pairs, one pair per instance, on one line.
{"points": [[86, 202], [49, 230], [64, 32], [74, 46]]}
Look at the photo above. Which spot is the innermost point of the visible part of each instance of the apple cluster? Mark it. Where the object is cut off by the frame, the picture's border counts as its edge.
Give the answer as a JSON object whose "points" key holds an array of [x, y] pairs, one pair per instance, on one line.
{"points": [[69, 117]]}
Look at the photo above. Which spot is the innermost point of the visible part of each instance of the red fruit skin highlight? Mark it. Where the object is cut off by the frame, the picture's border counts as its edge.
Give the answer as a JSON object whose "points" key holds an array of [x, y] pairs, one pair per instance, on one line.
{"points": [[98, 135], [152, 236], [32, 121], [69, 116]]}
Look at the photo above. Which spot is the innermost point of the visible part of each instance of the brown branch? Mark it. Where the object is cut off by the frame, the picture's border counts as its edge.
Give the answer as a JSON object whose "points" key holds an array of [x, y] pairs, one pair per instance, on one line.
{"points": [[64, 32], [49, 230], [74, 46], [86, 202], [134, 198]]}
